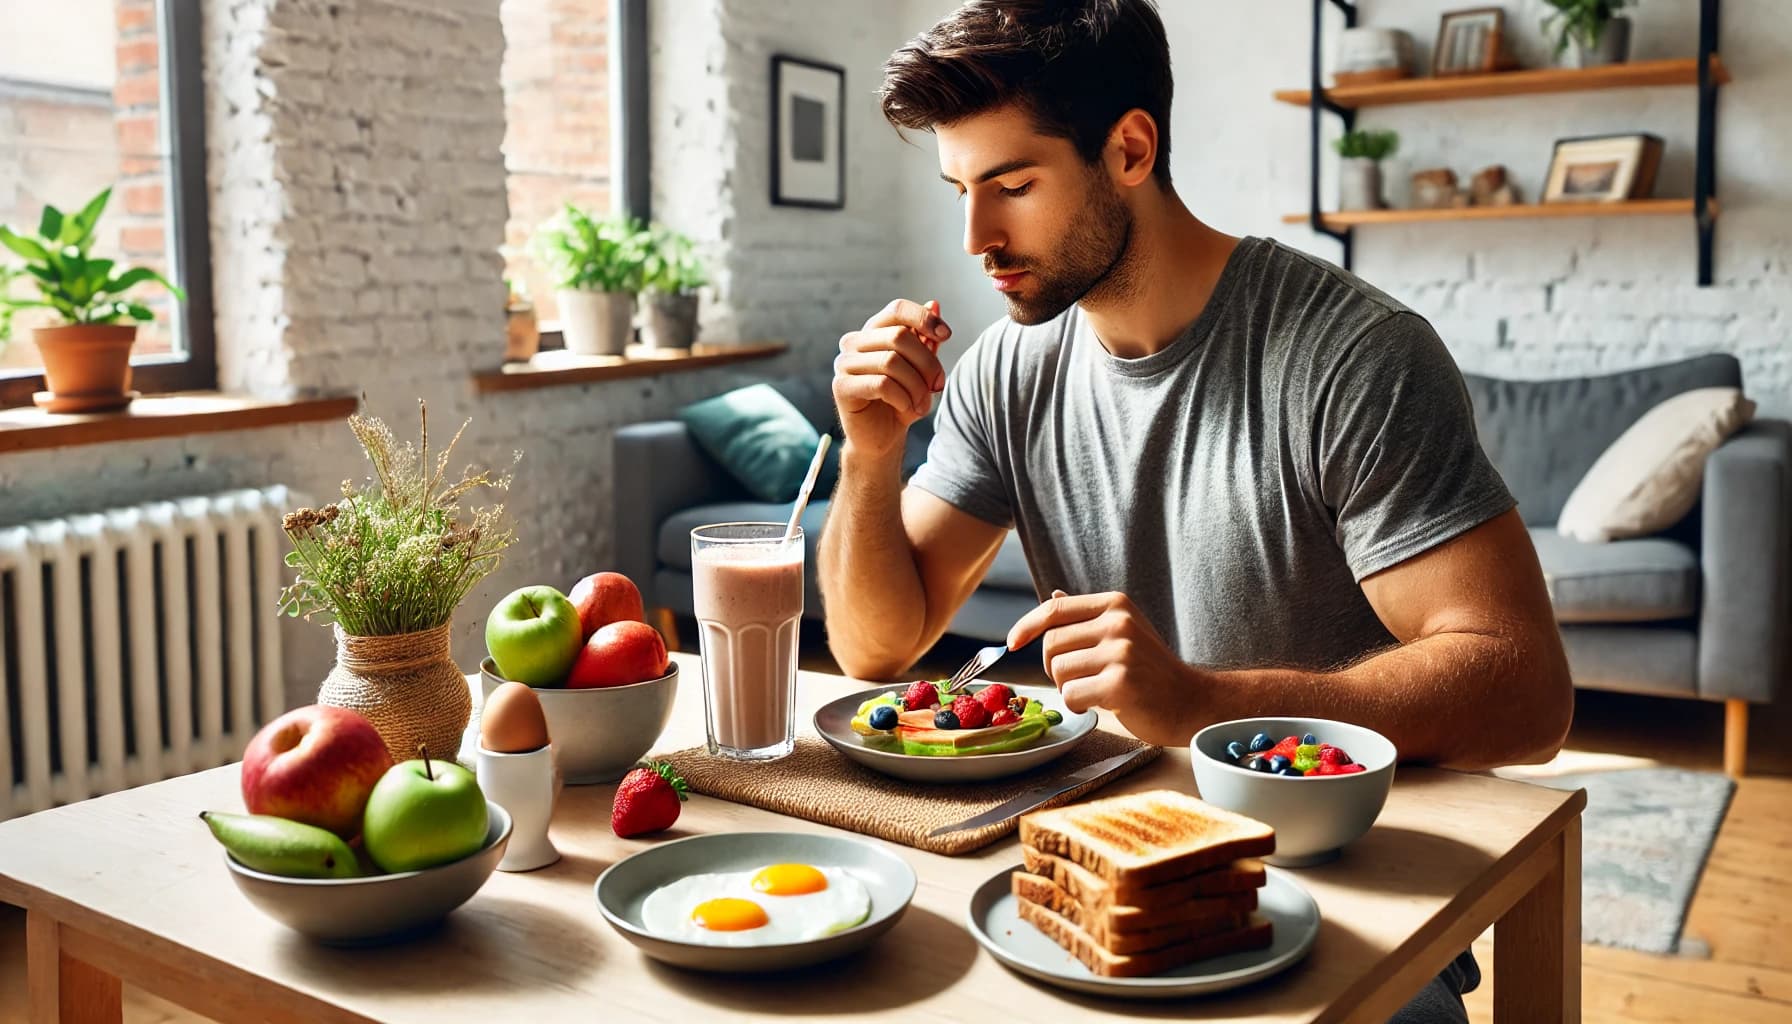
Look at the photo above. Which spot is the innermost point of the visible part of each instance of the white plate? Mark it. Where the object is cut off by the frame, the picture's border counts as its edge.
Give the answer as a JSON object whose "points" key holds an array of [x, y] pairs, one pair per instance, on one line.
{"points": [[833, 721], [996, 923]]}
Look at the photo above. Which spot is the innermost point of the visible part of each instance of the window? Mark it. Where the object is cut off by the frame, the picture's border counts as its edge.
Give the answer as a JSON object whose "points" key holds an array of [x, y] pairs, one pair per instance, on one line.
{"points": [[98, 93]]}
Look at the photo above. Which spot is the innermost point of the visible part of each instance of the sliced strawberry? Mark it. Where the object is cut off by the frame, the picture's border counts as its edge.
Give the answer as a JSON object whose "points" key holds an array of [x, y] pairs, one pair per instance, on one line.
{"points": [[1006, 716], [1285, 748]]}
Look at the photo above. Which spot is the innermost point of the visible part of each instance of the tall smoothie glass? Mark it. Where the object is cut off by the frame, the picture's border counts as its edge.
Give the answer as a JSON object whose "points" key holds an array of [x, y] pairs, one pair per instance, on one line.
{"points": [[748, 584]]}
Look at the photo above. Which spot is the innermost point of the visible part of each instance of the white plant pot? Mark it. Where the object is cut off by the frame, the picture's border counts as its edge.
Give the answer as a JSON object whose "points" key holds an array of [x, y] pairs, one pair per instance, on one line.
{"points": [[596, 323], [1359, 184], [671, 321]]}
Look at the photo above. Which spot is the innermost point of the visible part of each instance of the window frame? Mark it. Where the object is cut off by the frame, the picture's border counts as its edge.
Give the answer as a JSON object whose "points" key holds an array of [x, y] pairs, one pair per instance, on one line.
{"points": [[183, 126]]}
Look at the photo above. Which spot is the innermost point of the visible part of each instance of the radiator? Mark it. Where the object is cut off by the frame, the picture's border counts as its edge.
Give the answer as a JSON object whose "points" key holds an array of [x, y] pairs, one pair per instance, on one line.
{"points": [[136, 644]]}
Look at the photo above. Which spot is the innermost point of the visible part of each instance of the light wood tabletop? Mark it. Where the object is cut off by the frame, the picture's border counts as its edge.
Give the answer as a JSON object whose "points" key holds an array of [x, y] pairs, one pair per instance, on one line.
{"points": [[131, 886]]}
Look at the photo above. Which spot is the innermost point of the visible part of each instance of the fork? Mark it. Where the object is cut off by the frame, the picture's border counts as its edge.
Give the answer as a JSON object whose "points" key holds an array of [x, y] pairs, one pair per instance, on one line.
{"points": [[980, 663]]}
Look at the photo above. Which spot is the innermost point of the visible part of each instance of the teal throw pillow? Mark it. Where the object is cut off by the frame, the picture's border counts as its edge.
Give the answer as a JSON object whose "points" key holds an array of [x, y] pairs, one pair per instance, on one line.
{"points": [[761, 439]]}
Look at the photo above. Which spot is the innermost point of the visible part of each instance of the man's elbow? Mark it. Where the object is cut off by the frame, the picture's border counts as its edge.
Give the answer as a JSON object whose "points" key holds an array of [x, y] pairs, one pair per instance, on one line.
{"points": [[1549, 716], [868, 665]]}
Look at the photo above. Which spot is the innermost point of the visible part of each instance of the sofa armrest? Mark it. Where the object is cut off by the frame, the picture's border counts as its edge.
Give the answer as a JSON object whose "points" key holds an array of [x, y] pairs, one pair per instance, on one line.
{"points": [[659, 470], [1745, 556]]}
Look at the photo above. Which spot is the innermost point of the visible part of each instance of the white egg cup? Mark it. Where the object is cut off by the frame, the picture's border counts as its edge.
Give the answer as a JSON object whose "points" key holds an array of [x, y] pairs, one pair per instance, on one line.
{"points": [[527, 786]]}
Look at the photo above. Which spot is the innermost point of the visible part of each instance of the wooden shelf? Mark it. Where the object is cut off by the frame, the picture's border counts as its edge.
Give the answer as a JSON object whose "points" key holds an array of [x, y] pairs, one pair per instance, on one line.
{"points": [[1680, 71], [1631, 208], [171, 415], [559, 367]]}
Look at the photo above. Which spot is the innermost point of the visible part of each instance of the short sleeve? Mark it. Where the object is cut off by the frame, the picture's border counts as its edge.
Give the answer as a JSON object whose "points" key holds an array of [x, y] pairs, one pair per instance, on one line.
{"points": [[963, 466], [1398, 461]]}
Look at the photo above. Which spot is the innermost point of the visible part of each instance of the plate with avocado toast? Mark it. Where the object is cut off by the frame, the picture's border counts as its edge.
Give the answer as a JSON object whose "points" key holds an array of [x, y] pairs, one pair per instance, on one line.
{"points": [[981, 731]]}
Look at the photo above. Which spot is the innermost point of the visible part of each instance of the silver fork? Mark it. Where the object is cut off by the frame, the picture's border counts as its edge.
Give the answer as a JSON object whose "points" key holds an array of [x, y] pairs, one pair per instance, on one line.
{"points": [[980, 663]]}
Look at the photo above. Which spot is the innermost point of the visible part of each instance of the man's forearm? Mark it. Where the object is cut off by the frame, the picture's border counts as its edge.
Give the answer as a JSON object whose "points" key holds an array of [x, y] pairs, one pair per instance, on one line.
{"points": [[875, 604]]}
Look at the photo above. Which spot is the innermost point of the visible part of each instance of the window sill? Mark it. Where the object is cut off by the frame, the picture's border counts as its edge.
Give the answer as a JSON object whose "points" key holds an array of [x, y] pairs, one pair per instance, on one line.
{"points": [[556, 368], [169, 415]]}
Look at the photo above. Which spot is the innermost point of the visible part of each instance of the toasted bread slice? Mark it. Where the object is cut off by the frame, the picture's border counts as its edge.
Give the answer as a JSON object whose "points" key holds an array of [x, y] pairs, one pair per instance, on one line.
{"points": [[1091, 891], [1146, 838], [1142, 930], [1257, 934]]}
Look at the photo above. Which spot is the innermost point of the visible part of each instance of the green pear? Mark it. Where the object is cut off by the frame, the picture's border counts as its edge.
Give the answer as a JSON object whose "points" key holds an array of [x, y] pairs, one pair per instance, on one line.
{"points": [[277, 846]]}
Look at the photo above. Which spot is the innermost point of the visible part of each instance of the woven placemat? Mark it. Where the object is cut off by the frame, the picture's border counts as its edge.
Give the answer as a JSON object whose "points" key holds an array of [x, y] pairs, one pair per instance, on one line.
{"points": [[816, 783]]}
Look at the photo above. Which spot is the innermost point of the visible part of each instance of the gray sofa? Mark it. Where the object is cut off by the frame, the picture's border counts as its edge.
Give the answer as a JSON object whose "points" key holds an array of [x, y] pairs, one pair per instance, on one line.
{"points": [[1700, 611]]}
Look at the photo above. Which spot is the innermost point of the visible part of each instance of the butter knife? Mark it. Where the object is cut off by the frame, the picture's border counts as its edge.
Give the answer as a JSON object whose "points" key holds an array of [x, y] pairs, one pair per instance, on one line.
{"points": [[1033, 796]]}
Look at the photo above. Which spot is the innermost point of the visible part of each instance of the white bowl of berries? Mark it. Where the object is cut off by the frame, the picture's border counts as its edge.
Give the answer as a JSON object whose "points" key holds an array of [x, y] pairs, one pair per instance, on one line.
{"points": [[1320, 784]]}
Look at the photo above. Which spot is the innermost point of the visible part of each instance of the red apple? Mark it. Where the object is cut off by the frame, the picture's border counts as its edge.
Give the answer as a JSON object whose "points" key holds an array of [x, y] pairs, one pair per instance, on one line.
{"points": [[603, 598], [315, 764], [619, 654]]}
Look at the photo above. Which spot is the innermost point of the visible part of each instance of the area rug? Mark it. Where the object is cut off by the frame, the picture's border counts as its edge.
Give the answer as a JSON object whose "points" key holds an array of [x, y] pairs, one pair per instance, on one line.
{"points": [[1645, 836]]}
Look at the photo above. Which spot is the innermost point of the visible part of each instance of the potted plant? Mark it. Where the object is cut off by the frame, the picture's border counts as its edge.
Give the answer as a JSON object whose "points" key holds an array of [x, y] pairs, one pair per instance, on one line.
{"points": [[522, 332], [387, 564], [670, 280], [87, 357], [1592, 29], [596, 268], [1359, 169]]}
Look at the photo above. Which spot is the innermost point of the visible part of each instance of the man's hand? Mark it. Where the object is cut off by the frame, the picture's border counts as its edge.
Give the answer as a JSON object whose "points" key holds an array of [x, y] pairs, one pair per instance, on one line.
{"points": [[1101, 652], [887, 373]]}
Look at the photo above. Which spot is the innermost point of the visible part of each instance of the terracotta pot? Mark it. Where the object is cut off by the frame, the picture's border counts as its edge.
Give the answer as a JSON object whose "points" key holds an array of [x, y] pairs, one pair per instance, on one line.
{"points": [[522, 338], [87, 360]]}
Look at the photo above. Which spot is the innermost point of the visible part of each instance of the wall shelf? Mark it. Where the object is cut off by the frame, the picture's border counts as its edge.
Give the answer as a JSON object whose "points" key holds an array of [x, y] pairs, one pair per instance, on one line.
{"points": [[1339, 221], [1636, 74]]}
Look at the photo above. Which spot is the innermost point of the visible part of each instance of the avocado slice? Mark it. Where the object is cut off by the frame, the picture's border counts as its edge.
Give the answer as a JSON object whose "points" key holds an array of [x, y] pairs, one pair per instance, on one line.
{"points": [[998, 739]]}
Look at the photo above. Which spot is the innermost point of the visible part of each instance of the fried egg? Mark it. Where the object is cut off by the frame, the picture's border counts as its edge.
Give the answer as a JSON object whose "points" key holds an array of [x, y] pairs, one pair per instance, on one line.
{"points": [[776, 904]]}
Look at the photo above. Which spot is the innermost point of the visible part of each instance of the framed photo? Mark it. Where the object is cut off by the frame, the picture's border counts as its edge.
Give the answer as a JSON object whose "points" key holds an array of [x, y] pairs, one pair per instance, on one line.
{"points": [[1469, 42], [1602, 169], [808, 134]]}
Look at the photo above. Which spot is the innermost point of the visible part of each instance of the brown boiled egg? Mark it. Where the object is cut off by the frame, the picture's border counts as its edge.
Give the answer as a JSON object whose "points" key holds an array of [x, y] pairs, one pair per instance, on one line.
{"points": [[513, 722]]}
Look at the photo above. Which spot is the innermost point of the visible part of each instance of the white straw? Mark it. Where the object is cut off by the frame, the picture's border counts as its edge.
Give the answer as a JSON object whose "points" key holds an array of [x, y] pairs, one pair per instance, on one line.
{"points": [[802, 496]]}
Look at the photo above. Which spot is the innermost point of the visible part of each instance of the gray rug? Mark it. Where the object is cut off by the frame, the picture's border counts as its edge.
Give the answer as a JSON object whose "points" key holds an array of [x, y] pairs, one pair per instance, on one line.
{"points": [[1644, 839]]}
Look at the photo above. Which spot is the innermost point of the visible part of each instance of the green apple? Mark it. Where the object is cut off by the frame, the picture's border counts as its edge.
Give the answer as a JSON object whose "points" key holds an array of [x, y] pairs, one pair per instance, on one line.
{"points": [[423, 813], [534, 635]]}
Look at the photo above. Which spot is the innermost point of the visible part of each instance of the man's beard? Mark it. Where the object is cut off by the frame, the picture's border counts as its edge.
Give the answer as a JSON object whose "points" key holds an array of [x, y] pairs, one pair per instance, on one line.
{"points": [[1091, 258]]}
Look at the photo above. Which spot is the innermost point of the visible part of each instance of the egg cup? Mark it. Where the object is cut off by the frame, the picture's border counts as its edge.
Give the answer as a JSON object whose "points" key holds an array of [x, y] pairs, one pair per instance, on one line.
{"points": [[526, 785]]}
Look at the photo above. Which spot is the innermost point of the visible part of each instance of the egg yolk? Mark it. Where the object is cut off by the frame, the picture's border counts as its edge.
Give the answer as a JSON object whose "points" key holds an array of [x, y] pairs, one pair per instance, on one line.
{"points": [[729, 915], [789, 880]]}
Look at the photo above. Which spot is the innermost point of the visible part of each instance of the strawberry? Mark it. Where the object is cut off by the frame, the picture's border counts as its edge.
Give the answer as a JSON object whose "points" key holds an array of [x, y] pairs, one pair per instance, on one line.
{"points": [[1285, 748], [1333, 756], [1006, 716], [647, 800], [994, 697], [971, 715], [921, 694]]}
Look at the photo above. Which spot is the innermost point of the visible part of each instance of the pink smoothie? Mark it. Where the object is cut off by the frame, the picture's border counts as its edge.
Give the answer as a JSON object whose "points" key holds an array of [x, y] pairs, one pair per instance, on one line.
{"points": [[749, 603]]}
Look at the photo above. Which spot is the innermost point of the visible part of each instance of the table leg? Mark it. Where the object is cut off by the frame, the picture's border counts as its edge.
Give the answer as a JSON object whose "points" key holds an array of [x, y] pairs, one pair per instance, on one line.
{"points": [[64, 990], [1536, 945]]}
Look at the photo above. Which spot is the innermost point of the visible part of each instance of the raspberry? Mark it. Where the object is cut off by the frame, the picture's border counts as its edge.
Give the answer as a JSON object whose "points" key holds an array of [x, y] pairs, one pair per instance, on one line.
{"points": [[1006, 716], [921, 694], [994, 696], [971, 715]]}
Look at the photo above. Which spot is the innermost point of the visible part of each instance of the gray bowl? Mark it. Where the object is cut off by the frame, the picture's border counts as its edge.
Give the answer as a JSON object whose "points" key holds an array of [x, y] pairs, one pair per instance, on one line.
{"points": [[358, 911], [625, 885], [833, 721], [1314, 818], [601, 732]]}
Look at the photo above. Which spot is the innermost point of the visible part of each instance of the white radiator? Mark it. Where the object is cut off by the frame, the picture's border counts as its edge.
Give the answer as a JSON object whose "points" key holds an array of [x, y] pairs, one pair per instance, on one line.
{"points": [[136, 644]]}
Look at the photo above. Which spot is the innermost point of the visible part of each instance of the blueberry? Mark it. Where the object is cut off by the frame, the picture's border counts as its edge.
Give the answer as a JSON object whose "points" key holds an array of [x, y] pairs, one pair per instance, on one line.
{"points": [[1234, 750], [1052, 717], [945, 719], [883, 717], [1277, 762], [1309, 739], [1291, 770], [1257, 764], [1261, 741]]}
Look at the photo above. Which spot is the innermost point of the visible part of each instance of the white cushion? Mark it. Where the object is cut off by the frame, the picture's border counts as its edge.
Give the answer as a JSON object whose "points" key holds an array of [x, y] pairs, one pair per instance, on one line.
{"points": [[1649, 478]]}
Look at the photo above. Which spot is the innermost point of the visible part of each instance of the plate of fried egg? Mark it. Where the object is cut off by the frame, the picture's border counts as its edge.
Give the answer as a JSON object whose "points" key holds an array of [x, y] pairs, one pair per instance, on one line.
{"points": [[755, 901]]}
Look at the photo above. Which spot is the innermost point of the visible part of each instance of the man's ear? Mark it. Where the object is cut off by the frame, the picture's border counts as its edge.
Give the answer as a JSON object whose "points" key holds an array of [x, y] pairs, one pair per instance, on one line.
{"points": [[1131, 153]]}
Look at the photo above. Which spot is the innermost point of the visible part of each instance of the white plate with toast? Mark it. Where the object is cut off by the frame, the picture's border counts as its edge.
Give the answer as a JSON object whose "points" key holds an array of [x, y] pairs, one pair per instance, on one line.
{"points": [[1282, 902]]}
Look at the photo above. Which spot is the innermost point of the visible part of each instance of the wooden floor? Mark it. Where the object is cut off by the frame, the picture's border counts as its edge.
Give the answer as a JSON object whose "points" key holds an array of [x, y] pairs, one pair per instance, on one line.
{"points": [[1742, 911]]}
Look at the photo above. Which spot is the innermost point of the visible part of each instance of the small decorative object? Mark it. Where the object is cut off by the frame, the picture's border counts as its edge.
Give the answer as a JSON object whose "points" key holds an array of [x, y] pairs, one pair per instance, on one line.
{"points": [[87, 357], [1370, 55], [1470, 42], [1602, 169], [1588, 33], [522, 332], [1434, 189], [1491, 186], [387, 564], [1359, 170], [808, 134], [596, 266], [671, 276]]}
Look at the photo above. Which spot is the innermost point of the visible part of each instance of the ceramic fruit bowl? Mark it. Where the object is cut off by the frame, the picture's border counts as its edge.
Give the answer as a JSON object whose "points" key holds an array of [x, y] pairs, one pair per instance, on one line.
{"points": [[375, 908], [600, 733]]}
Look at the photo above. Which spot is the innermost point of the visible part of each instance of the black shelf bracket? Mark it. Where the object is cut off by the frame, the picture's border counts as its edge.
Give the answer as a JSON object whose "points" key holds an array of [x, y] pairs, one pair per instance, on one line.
{"points": [[1704, 187], [1317, 103]]}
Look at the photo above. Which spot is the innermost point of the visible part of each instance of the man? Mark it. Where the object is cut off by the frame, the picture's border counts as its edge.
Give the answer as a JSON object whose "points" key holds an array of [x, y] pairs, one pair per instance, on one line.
{"points": [[1246, 482]]}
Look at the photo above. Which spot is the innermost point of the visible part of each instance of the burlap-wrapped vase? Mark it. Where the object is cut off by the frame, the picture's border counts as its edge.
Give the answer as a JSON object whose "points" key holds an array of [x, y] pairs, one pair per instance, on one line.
{"points": [[407, 686]]}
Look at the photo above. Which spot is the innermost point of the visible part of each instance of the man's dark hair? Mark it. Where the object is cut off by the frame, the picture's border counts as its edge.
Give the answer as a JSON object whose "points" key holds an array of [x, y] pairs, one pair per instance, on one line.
{"points": [[1075, 65]]}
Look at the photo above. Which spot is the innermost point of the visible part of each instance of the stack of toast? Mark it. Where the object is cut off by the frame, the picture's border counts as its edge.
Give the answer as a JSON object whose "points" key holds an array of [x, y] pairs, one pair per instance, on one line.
{"points": [[1144, 883]]}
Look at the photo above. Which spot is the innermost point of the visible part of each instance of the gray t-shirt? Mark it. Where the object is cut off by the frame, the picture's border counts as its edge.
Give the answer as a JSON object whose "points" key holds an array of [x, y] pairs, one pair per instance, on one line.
{"points": [[1304, 432]]}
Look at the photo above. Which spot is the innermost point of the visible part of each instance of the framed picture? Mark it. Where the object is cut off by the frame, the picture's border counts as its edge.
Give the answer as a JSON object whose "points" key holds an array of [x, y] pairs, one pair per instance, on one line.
{"points": [[808, 134], [1469, 42], [1602, 168]]}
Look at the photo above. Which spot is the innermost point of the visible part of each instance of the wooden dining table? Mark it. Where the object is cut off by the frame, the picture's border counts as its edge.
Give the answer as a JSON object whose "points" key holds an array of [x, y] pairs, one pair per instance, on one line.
{"points": [[131, 887]]}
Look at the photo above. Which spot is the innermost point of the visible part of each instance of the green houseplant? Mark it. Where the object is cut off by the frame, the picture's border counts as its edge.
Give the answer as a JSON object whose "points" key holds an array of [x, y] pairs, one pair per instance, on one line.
{"points": [[1594, 30], [596, 265], [1359, 167], [670, 278], [87, 357]]}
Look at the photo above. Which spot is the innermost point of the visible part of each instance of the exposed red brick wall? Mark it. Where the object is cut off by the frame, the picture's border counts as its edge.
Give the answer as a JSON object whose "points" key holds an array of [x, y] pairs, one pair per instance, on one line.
{"points": [[139, 207]]}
